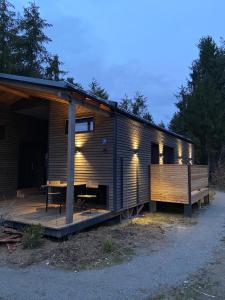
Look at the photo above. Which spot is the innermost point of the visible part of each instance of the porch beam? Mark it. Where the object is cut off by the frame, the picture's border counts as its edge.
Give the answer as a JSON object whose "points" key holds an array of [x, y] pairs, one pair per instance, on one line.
{"points": [[13, 91], [70, 162]]}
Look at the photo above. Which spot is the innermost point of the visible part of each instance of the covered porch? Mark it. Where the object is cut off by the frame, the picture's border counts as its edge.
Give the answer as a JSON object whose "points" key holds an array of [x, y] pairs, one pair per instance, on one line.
{"points": [[75, 149], [31, 210]]}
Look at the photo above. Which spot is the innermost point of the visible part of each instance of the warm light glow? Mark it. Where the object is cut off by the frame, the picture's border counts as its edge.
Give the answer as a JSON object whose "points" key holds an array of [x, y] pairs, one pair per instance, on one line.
{"points": [[180, 152], [190, 149], [136, 152], [161, 153]]}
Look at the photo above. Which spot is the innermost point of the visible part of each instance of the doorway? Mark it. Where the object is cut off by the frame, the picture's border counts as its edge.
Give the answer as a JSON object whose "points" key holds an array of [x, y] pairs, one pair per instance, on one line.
{"points": [[31, 165]]}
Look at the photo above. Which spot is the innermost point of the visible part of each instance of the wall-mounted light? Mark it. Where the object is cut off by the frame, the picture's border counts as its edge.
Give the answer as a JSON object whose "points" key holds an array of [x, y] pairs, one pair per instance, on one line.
{"points": [[190, 160], [78, 149], [180, 160], [136, 151], [161, 158]]}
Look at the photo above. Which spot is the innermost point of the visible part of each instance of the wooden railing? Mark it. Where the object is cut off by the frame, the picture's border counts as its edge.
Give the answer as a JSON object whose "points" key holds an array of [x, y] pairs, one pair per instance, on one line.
{"points": [[178, 183]]}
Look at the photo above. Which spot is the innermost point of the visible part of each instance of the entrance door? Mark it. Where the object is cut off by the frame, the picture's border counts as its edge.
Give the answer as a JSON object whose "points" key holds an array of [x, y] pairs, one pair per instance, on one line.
{"points": [[31, 165]]}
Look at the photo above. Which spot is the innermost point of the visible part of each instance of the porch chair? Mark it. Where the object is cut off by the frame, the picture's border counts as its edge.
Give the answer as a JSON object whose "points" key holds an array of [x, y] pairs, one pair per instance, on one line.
{"points": [[57, 194]]}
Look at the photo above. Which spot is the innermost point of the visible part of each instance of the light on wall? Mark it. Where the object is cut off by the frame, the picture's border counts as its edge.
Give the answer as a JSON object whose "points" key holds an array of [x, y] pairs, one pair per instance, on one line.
{"points": [[161, 158], [136, 151], [78, 149], [180, 160]]}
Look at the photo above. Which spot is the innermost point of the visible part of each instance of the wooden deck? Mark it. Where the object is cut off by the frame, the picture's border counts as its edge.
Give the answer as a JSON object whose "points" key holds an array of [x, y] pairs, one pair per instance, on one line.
{"points": [[19, 212], [179, 183]]}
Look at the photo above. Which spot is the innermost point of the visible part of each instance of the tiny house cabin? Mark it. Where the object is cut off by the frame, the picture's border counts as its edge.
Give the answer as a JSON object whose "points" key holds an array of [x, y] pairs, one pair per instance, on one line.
{"points": [[55, 135]]}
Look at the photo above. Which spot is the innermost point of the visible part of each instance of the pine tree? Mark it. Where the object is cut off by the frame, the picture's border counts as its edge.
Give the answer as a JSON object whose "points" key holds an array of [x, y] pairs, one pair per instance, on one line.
{"points": [[33, 54], [162, 125], [136, 106], [126, 103], [76, 84], [52, 70], [201, 105], [97, 90], [8, 30]]}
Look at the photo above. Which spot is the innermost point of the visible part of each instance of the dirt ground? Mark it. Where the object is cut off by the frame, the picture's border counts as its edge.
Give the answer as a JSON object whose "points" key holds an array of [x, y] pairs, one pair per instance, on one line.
{"points": [[99, 247]]}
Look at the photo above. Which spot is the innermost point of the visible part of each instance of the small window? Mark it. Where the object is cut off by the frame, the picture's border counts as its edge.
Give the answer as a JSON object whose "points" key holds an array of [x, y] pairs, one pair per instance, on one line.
{"points": [[82, 125], [2, 132]]}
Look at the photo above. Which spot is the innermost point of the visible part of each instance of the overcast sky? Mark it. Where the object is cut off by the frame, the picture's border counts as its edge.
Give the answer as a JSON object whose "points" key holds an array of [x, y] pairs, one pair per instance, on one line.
{"points": [[130, 45]]}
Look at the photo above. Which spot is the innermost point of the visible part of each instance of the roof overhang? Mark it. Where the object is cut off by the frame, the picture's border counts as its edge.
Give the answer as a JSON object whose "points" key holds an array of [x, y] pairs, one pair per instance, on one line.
{"points": [[63, 91]]}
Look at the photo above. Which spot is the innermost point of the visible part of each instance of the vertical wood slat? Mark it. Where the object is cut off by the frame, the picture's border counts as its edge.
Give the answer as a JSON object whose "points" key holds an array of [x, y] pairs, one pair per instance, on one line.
{"points": [[70, 162]]}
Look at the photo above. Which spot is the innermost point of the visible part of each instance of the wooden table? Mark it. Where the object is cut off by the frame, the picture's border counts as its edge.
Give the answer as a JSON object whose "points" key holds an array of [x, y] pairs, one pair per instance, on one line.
{"points": [[58, 186]]}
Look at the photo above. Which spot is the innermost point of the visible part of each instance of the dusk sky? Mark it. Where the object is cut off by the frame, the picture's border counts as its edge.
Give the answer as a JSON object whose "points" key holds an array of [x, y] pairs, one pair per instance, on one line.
{"points": [[130, 45]]}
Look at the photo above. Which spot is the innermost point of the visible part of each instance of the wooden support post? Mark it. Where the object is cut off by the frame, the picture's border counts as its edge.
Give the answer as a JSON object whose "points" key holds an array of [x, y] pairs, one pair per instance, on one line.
{"points": [[153, 206], [188, 207], [70, 162], [206, 199]]}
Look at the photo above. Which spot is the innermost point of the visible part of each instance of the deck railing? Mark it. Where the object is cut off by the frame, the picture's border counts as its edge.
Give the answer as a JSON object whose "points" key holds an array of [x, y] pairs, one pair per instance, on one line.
{"points": [[177, 183]]}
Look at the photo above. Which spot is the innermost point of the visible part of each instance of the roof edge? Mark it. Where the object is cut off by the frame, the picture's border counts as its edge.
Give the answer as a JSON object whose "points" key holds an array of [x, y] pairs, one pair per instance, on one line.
{"points": [[61, 84]]}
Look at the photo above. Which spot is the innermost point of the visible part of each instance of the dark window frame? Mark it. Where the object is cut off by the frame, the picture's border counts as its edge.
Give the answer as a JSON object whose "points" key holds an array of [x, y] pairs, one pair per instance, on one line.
{"points": [[155, 156], [81, 120]]}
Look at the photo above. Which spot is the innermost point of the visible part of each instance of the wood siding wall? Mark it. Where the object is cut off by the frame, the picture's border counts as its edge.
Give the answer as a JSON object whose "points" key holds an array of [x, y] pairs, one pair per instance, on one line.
{"points": [[135, 182], [199, 177], [94, 163], [8, 155], [18, 128]]}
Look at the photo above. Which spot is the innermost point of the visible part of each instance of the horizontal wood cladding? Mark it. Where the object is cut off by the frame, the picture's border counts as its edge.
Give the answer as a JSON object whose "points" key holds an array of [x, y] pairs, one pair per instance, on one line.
{"points": [[199, 177], [133, 135], [94, 162], [8, 154], [18, 128], [169, 183]]}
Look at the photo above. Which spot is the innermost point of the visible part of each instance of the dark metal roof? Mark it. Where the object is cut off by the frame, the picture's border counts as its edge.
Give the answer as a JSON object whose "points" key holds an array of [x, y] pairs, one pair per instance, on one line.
{"points": [[71, 87]]}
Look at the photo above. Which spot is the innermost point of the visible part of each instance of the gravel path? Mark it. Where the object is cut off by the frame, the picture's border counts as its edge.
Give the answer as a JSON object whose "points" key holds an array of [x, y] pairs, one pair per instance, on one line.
{"points": [[189, 249]]}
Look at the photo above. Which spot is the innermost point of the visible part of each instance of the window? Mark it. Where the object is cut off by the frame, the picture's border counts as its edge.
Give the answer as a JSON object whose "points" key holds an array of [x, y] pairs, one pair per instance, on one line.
{"points": [[168, 155], [155, 153], [2, 132], [82, 125]]}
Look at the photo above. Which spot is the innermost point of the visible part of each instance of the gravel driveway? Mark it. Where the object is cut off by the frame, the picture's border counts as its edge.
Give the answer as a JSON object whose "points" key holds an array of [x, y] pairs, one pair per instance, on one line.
{"points": [[189, 248]]}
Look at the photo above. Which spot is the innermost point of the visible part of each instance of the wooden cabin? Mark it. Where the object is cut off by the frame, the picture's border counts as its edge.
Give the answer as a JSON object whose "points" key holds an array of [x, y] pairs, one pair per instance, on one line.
{"points": [[54, 132]]}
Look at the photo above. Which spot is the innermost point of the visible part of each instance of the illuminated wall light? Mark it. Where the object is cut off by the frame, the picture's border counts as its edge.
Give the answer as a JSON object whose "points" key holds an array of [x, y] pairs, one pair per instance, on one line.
{"points": [[180, 160], [190, 154], [136, 152], [161, 158], [161, 153], [78, 149], [190, 160]]}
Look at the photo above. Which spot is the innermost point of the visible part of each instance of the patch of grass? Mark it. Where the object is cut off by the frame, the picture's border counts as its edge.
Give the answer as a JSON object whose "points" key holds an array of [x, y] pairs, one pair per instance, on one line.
{"points": [[32, 237], [108, 246]]}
